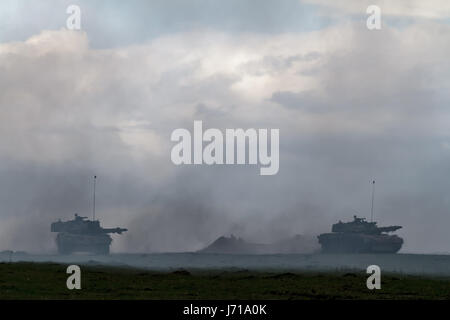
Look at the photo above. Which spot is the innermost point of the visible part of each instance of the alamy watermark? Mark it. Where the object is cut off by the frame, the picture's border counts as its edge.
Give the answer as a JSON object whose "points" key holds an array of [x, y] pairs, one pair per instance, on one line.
{"points": [[232, 151], [73, 22], [74, 280], [374, 281], [373, 22]]}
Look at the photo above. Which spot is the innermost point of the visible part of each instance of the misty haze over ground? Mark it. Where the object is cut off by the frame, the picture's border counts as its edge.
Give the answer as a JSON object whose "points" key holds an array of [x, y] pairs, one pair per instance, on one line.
{"points": [[351, 104], [429, 265]]}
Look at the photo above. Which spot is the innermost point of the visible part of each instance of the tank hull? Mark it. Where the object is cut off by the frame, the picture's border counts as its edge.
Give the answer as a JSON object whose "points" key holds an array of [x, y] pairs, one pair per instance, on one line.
{"points": [[359, 243], [69, 243]]}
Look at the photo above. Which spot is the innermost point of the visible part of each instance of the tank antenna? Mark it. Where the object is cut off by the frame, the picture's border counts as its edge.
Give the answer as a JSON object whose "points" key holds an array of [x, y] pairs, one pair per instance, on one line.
{"points": [[93, 209], [373, 195]]}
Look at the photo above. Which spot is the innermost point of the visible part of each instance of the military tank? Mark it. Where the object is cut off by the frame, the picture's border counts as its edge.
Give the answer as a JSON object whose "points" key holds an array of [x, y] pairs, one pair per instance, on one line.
{"points": [[82, 235], [360, 236]]}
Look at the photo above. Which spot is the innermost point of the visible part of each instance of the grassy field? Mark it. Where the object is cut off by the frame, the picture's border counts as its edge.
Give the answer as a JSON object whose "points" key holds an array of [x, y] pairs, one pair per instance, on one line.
{"points": [[48, 281]]}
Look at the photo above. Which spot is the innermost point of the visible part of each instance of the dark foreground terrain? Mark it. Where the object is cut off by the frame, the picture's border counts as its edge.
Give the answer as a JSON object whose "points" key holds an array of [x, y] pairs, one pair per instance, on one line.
{"points": [[26, 280]]}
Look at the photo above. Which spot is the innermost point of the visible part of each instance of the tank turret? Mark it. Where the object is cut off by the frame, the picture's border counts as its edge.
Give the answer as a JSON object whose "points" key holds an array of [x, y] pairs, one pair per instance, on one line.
{"points": [[83, 235], [360, 236], [360, 225]]}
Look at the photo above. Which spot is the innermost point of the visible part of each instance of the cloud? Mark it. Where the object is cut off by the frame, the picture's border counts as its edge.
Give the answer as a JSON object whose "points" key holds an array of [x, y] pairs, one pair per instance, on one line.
{"points": [[432, 9], [350, 104], [117, 23]]}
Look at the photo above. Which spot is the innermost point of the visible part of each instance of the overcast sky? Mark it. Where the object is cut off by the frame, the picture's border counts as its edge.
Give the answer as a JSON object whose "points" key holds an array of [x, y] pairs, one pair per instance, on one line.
{"points": [[351, 104]]}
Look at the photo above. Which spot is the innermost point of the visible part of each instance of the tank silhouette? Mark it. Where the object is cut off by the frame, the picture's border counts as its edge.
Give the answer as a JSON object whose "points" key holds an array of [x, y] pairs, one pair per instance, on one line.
{"points": [[360, 236], [82, 235]]}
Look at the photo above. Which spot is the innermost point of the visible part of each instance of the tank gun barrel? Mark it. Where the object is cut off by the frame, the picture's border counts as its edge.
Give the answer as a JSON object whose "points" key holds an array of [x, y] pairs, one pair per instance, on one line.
{"points": [[114, 230], [389, 229]]}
